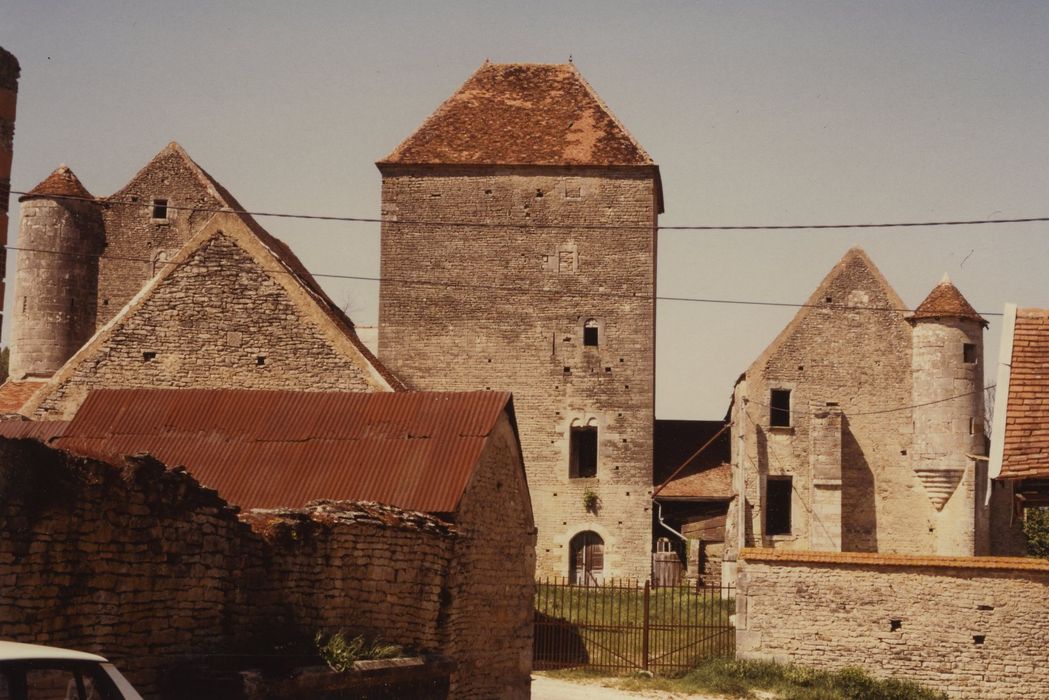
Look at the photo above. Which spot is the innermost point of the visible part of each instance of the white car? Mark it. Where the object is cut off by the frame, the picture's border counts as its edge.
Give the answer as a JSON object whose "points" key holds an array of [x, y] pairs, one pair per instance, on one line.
{"points": [[31, 671]]}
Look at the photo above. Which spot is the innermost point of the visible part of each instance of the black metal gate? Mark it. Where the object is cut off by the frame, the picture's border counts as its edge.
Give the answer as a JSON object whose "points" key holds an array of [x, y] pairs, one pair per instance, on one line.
{"points": [[627, 626]]}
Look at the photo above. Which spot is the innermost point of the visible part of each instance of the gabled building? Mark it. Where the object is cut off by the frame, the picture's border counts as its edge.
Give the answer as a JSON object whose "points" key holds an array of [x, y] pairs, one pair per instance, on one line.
{"points": [[1019, 463], [217, 300], [860, 428], [518, 254]]}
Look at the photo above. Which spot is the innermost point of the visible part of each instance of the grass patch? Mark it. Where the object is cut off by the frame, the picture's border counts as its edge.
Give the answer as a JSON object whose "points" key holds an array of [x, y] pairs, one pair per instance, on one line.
{"points": [[340, 653], [741, 678]]}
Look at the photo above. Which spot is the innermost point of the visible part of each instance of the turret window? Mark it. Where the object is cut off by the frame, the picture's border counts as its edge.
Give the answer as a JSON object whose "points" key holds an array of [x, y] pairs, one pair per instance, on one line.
{"points": [[969, 353]]}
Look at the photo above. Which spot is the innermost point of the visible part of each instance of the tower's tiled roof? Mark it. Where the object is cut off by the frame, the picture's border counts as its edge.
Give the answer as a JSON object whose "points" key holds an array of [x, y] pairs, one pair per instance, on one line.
{"points": [[522, 114], [61, 183], [945, 301]]}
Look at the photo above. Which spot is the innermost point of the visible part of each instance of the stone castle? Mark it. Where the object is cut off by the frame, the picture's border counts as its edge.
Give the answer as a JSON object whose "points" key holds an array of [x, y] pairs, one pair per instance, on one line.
{"points": [[518, 253]]}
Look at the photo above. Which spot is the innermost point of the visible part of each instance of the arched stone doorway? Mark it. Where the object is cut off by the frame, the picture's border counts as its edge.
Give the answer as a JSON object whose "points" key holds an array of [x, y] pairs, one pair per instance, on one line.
{"points": [[587, 564]]}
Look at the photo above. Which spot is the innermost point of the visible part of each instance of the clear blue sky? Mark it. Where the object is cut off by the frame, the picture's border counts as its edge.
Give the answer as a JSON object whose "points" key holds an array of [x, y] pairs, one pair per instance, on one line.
{"points": [[772, 112]]}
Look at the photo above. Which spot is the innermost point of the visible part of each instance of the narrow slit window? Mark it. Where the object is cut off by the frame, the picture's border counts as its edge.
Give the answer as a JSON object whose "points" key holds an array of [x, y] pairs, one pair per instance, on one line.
{"points": [[590, 333], [160, 209], [969, 353], [583, 452], [779, 408], [777, 505]]}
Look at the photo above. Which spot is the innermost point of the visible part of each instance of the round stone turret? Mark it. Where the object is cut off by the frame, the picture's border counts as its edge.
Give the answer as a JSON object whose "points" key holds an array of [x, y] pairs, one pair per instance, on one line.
{"points": [[947, 363], [56, 280]]}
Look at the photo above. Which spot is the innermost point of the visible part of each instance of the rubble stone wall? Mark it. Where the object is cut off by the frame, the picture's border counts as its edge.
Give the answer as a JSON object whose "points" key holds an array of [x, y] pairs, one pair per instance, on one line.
{"points": [[973, 627], [218, 320], [532, 255], [143, 565]]}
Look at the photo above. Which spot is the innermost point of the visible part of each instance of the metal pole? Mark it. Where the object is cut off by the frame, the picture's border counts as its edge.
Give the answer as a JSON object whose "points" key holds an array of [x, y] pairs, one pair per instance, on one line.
{"points": [[644, 640]]}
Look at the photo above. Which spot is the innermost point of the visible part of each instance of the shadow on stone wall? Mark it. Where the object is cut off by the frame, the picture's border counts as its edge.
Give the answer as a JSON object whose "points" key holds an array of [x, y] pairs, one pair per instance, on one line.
{"points": [[859, 516]]}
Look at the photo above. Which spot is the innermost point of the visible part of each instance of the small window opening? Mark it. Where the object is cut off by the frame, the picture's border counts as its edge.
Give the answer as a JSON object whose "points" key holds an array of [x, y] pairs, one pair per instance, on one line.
{"points": [[149, 356], [828, 299], [260, 360], [160, 209], [779, 408], [567, 370], [583, 452], [487, 191], [134, 199], [985, 607], [539, 194], [777, 510], [969, 353], [590, 333], [895, 625], [972, 426], [979, 639]]}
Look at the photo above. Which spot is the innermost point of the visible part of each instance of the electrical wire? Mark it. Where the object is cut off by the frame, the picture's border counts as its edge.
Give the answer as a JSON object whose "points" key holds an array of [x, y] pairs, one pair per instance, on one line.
{"points": [[576, 225], [516, 289], [908, 407]]}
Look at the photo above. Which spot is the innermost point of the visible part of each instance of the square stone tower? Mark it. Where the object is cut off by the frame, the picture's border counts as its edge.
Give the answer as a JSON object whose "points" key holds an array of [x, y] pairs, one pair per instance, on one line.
{"points": [[518, 253]]}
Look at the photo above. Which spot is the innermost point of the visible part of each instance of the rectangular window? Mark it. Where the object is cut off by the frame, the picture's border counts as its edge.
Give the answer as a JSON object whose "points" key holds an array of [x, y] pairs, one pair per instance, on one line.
{"points": [[777, 505], [583, 452], [590, 333], [969, 354], [160, 209], [779, 408]]}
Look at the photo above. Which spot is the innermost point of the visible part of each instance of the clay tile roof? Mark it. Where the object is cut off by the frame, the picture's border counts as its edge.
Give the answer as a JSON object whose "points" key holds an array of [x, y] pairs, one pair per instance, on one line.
{"points": [[272, 449], [522, 114], [13, 395], [707, 476], [61, 183], [1026, 443], [945, 301]]}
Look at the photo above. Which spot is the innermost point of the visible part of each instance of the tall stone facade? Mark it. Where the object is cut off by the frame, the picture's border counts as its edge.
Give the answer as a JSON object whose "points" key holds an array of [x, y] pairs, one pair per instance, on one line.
{"points": [[518, 253], [855, 430], [9, 73]]}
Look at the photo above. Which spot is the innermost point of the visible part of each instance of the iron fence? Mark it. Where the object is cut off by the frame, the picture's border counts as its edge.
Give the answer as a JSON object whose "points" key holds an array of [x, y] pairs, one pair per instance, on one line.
{"points": [[627, 626]]}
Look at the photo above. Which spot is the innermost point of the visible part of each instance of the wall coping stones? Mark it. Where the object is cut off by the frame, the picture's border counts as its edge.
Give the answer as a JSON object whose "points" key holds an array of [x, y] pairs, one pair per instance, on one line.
{"points": [[754, 554]]}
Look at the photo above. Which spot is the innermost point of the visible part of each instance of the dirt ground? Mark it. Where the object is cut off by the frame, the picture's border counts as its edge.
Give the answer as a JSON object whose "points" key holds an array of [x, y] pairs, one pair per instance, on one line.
{"points": [[545, 688]]}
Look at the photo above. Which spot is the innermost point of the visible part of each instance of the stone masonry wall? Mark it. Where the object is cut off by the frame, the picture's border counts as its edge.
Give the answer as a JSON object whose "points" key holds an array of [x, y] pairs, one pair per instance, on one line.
{"points": [[502, 305], [971, 627], [55, 284], [136, 243], [9, 73], [860, 359], [208, 325], [142, 564], [492, 571]]}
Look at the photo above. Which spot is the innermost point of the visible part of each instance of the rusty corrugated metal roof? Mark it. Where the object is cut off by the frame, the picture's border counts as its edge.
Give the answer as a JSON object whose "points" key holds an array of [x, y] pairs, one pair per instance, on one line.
{"points": [[270, 449], [42, 430]]}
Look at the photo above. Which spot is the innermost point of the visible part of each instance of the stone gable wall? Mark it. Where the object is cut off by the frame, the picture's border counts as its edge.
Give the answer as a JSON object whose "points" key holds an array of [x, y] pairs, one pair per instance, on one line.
{"points": [[502, 305], [136, 244], [143, 565], [971, 632], [493, 565], [208, 324]]}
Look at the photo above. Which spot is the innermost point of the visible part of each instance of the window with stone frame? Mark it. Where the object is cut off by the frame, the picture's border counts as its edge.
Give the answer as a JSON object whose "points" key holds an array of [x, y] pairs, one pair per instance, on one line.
{"points": [[582, 450], [778, 490], [160, 209], [779, 408], [591, 333]]}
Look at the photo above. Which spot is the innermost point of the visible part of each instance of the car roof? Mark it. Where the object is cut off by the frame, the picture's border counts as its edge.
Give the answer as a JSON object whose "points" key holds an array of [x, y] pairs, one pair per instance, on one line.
{"points": [[16, 651]]}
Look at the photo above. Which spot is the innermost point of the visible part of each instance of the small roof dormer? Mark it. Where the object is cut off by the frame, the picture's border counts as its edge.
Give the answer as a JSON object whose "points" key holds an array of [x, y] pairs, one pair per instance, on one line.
{"points": [[61, 183], [945, 301]]}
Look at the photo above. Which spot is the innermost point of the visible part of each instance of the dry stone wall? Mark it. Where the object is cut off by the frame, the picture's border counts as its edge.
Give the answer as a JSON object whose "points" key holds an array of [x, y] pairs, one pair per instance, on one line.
{"points": [[499, 300], [218, 320], [142, 564], [975, 627]]}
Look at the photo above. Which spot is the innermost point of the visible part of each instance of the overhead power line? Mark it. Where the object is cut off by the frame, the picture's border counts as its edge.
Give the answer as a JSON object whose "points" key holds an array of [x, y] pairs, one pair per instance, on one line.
{"points": [[577, 225], [517, 289]]}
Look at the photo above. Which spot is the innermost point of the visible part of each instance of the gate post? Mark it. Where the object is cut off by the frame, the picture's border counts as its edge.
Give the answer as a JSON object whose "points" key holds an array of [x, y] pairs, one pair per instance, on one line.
{"points": [[644, 638]]}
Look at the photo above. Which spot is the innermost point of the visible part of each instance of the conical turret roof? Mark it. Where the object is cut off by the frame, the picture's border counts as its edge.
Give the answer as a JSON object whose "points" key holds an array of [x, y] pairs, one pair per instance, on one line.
{"points": [[61, 183], [945, 301]]}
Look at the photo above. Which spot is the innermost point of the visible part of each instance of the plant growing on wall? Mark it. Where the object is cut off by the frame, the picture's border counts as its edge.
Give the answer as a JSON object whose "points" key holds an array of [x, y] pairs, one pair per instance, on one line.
{"points": [[1036, 528], [341, 653], [591, 501]]}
